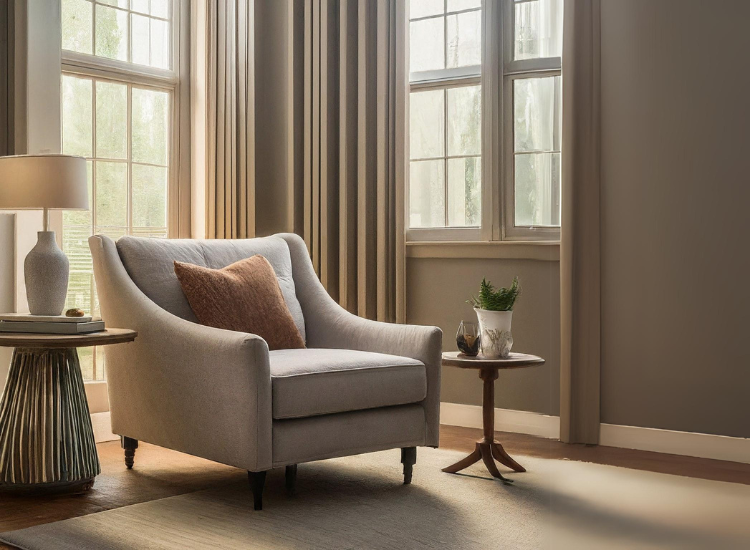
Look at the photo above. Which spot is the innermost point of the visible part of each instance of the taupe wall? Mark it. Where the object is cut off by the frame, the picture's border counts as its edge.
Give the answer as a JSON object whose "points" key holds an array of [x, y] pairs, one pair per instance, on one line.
{"points": [[675, 201], [437, 290]]}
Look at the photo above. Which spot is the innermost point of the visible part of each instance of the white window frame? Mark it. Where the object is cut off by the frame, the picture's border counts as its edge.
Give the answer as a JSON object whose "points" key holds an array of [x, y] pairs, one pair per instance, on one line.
{"points": [[498, 71], [176, 82]]}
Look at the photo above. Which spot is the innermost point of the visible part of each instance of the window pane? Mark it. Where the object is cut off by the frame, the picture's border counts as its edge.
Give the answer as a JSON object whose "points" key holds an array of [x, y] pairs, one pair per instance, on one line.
{"points": [[150, 126], [139, 5], [77, 123], [464, 39], [111, 33], [118, 3], [537, 114], [86, 359], [76, 26], [76, 248], [425, 8], [464, 121], [427, 124], [427, 45], [427, 193], [140, 39], [537, 189], [111, 194], [160, 8], [538, 29], [79, 282], [111, 120], [464, 192], [458, 5], [150, 232], [159, 44], [149, 196], [82, 217]]}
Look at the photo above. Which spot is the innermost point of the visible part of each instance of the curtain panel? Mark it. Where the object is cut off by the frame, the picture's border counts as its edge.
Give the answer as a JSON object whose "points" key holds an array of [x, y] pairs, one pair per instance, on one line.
{"points": [[354, 150], [580, 255], [6, 84], [230, 119]]}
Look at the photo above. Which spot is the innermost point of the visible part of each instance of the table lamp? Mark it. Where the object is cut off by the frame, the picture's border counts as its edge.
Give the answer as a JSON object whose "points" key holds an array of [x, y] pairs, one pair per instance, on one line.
{"points": [[44, 182]]}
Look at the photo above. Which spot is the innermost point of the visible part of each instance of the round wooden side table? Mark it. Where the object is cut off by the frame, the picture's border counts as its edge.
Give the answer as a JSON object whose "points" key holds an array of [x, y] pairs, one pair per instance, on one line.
{"points": [[488, 447], [46, 439]]}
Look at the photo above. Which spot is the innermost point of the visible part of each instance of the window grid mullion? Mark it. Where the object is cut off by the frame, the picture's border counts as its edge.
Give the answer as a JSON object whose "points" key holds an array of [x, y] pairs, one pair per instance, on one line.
{"points": [[93, 28], [445, 13], [445, 156], [129, 229], [93, 202]]}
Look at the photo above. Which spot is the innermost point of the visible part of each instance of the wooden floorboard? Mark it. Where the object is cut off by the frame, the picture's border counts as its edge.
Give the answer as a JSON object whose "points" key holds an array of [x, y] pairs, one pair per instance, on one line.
{"points": [[161, 473]]}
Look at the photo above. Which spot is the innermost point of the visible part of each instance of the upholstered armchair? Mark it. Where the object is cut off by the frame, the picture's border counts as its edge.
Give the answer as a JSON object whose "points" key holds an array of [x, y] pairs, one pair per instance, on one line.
{"points": [[359, 386]]}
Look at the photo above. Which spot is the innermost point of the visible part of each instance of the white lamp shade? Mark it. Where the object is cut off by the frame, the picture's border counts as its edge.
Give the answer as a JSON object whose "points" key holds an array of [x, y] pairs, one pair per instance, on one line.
{"points": [[43, 181]]}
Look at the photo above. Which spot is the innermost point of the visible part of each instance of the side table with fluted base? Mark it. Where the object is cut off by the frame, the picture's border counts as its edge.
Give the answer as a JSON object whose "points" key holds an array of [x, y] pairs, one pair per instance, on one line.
{"points": [[488, 449], [46, 439]]}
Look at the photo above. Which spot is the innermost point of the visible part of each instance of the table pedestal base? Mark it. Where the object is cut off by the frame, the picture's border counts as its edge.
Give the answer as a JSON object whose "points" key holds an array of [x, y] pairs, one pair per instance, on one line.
{"points": [[488, 451], [46, 439]]}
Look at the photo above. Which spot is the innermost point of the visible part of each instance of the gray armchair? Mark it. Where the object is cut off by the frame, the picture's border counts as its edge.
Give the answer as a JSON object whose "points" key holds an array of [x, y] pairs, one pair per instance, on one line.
{"points": [[359, 386]]}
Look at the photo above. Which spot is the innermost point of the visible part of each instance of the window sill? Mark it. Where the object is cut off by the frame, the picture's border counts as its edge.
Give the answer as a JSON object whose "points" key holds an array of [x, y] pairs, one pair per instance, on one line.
{"points": [[545, 251]]}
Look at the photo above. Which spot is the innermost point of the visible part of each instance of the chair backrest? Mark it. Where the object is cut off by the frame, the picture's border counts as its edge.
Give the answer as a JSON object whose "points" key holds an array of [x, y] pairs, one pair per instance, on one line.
{"points": [[150, 263]]}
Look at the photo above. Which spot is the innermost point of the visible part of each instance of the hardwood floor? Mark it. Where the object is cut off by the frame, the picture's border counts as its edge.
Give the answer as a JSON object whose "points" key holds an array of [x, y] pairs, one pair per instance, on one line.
{"points": [[161, 473]]}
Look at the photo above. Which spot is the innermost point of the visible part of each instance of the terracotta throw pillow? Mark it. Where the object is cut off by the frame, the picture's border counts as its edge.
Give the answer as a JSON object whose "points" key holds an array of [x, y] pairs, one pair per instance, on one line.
{"points": [[244, 297]]}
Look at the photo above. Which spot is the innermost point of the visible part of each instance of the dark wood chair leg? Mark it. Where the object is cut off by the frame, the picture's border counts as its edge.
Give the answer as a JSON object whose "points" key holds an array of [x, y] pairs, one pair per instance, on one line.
{"points": [[408, 459], [291, 478], [130, 445], [257, 482]]}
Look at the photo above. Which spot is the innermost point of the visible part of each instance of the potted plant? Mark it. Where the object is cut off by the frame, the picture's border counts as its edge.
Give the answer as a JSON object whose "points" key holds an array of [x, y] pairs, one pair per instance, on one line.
{"points": [[494, 309]]}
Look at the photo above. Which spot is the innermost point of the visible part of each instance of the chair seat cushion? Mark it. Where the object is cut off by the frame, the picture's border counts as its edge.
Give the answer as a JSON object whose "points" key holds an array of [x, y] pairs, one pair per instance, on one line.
{"points": [[310, 382]]}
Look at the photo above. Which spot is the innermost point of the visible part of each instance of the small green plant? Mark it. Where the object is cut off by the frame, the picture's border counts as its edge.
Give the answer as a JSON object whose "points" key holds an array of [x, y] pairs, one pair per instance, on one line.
{"points": [[501, 299]]}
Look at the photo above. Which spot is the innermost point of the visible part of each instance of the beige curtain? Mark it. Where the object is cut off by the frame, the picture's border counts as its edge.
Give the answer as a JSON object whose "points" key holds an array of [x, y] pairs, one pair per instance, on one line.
{"points": [[6, 68], [230, 119], [580, 240], [354, 150]]}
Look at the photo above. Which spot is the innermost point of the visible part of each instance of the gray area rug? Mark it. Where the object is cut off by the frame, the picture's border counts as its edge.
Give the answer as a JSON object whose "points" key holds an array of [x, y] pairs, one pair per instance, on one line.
{"points": [[359, 502]]}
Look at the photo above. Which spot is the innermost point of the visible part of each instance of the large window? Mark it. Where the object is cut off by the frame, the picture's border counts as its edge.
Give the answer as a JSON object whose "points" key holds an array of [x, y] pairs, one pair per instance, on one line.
{"points": [[485, 119], [119, 95], [445, 113]]}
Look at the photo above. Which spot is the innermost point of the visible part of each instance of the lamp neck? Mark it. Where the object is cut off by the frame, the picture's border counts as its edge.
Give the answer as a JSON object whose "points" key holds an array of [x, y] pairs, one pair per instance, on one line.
{"points": [[45, 218]]}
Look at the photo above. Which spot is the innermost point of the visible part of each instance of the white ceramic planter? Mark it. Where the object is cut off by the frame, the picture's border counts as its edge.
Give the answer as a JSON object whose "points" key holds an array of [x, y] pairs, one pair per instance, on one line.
{"points": [[494, 329]]}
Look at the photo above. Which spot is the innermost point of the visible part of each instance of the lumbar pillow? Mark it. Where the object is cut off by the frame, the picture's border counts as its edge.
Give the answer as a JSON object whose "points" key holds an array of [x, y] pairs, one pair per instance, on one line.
{"points": [[244, 297]]}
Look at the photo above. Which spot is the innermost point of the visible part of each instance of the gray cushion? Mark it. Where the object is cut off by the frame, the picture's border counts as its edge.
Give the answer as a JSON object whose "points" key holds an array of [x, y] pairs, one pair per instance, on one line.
{"points": [[150, 263], [309, 382]]}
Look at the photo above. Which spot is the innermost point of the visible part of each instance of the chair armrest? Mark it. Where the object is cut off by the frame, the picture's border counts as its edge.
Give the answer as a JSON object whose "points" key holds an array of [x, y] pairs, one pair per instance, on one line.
{"points": [[184, 386], [328, 325]]}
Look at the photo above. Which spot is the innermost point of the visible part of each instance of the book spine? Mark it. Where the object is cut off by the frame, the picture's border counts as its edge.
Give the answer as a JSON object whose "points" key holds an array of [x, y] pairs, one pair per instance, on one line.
{"points": [[51, 328]]}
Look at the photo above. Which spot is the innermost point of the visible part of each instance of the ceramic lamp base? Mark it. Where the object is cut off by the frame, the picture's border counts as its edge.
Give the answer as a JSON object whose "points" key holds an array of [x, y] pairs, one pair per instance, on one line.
{"points": [[46, 274]]}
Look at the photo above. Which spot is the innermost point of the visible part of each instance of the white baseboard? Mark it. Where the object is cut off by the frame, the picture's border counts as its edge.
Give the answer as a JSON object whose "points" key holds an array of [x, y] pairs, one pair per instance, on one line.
{"points": [[102, 427], [718, 447], [506, 420]]}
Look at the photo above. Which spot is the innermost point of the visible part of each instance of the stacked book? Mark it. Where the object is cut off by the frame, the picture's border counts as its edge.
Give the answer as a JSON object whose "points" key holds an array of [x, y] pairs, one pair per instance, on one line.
{"points": [[52, 324]]}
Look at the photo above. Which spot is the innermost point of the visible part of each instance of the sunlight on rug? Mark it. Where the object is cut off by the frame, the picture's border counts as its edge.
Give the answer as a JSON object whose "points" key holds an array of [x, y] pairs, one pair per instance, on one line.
{"points": [[359, 502]]}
